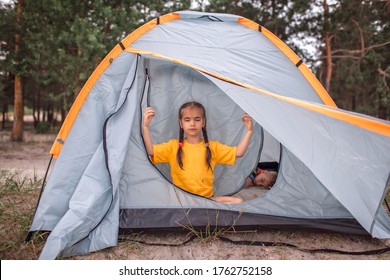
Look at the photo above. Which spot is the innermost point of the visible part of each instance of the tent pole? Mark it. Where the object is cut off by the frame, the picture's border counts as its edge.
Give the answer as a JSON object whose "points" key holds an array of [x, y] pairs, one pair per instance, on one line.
{"points": [[388, 207], [30, 233]]}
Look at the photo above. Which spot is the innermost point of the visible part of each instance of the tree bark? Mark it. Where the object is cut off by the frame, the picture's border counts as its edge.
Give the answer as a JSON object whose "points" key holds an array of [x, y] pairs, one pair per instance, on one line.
{"points": [[328, 49], [17, 130], [4, 113], [329, 62], [6, 81]]}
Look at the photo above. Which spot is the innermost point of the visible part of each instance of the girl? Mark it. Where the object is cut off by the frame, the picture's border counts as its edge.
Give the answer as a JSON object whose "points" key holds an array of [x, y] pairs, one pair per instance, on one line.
{"points": [[191, 158]]}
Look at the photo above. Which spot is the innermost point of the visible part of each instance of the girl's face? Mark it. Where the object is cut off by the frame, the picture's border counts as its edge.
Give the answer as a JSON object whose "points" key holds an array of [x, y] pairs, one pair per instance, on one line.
{"points": [[192, 121]]}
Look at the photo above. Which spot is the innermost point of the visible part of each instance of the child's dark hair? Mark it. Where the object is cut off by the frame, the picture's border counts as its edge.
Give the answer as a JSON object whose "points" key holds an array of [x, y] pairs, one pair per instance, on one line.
{"points": [[204, 131]]}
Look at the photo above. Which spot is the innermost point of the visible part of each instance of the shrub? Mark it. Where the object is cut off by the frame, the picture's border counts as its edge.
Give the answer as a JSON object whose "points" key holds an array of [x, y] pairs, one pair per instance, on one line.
{"points": [[42, 127]]}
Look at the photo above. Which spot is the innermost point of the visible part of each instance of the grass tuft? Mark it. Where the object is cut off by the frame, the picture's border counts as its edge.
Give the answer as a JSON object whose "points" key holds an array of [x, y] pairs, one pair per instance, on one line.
{"points": [[212, 231], [18, 194]]}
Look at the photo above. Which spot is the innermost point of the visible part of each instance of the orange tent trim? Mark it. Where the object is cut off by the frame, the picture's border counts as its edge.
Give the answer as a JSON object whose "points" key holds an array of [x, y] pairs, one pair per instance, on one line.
{"points": [[79, 101], [360, 121], [322, 93]]}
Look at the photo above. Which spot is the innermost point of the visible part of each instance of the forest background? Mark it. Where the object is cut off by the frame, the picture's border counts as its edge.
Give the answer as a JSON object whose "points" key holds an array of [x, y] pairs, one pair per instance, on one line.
{"points": [[49, 48]]}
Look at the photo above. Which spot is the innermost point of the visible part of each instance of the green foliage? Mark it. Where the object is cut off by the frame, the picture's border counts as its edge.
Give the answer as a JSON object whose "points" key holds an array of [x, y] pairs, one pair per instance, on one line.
{"points": [[16, 181], [42, 127], [359, 31], [64, 41], [7, 35]]}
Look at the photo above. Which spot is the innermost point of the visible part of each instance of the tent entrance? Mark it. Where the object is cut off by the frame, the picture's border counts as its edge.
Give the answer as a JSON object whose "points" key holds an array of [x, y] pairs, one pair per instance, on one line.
{"points": [[167, 87]]}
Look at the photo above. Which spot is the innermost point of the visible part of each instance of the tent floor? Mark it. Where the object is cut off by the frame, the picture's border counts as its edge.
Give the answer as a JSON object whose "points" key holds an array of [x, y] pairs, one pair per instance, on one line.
{"points": [[250, 193]]}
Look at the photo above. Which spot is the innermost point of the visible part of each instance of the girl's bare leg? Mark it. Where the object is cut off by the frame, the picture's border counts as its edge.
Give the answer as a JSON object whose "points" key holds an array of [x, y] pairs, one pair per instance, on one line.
{"points": [[227, 199]]}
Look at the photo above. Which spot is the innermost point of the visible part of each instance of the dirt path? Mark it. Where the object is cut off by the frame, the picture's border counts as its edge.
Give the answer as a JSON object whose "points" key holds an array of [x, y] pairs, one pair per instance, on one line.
{"points": [[33, 156]]}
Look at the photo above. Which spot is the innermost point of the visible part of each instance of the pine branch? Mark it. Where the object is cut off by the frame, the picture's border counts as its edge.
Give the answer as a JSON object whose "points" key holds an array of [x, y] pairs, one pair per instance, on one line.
{"points": [[384, 72], [363, 52]]}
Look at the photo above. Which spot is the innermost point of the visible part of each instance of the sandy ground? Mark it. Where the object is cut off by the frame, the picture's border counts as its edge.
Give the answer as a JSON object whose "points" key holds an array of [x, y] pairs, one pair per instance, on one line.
{"points": [[32, 156]]}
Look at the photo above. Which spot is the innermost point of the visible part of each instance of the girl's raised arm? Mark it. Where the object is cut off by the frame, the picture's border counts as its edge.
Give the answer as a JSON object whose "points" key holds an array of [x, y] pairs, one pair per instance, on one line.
{"points": [[243, 145], [147, 118]]}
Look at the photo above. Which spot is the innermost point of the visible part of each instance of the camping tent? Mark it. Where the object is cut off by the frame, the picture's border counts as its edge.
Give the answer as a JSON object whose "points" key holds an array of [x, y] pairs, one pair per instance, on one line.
{"points": [[334, 165]]}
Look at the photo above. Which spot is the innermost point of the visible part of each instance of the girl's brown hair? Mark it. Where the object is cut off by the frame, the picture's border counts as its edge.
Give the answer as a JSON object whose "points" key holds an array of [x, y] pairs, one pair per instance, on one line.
{"points": [[179, 153]]}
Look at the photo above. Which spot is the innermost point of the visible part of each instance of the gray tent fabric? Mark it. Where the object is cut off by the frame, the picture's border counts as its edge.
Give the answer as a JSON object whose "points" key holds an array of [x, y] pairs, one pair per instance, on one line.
{"points": [[92, 208], [349, 165], [256, 61], [331, 171]]}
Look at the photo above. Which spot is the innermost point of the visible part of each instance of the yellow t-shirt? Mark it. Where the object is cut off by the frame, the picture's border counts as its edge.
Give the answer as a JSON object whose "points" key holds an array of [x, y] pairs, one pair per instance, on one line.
{"points": [[195, 177]]}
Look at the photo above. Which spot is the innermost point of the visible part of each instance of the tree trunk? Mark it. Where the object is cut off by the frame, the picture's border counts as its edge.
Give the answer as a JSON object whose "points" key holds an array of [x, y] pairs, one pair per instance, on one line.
{"points": [[63, 114], [17, 130], [6, 81], [328, 49], [5, 114], [50, 113], [34, 109], [39, 106], [329, 63]]}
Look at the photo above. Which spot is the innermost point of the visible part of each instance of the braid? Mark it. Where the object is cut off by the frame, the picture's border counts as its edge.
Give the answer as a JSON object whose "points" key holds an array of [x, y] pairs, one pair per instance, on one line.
{"points": [[180, 149], [179, 153], [208, 151]]}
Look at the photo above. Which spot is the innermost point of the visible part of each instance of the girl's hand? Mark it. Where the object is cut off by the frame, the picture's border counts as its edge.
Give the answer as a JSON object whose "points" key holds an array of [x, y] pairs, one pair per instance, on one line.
{"points": [[244, 143], [148, 116], [247, 120]]}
